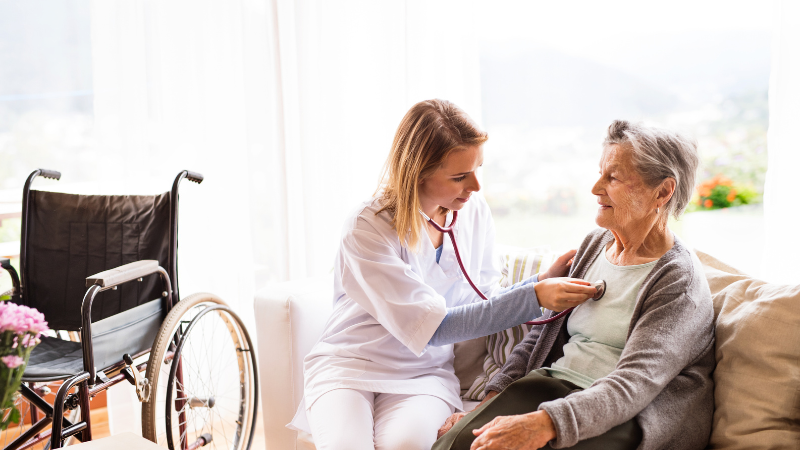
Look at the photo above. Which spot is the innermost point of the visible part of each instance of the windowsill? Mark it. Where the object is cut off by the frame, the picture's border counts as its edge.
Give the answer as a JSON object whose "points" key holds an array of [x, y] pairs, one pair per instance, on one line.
{"points": [[733, 235]]}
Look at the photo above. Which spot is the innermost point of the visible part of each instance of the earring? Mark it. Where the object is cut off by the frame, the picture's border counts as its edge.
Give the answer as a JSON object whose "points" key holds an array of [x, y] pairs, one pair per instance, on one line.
{"points": [[658, 210]]}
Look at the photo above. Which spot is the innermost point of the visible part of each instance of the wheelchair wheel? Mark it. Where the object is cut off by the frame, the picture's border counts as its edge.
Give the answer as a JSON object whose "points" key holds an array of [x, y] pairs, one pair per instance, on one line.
{"points": [[203, 377]]}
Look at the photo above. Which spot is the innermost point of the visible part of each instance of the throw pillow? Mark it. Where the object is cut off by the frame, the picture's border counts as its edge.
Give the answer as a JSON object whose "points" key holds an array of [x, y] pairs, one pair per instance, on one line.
{"points": [[468, 363], [757, 378]]}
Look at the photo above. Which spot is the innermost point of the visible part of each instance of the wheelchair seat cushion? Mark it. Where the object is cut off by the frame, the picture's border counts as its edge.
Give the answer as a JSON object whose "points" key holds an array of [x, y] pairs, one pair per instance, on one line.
{"points": [[132, 332], [54, 359]]}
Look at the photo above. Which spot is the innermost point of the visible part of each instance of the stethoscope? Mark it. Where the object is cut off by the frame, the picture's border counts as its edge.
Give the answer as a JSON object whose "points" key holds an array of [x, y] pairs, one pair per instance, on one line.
{"points": [[599, 285]]}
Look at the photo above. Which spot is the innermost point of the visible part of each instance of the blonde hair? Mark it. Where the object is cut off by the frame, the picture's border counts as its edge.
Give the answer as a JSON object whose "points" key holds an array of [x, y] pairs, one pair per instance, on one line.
{"points": [[429, 132]]}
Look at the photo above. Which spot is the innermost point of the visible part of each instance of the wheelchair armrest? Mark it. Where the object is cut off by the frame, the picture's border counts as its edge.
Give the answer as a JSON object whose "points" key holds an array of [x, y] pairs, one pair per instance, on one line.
{"points": [[107, 280], [122, 274]]}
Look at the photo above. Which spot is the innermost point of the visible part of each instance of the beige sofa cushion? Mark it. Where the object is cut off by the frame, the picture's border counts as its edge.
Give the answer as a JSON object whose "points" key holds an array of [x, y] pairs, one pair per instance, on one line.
{"points": [[757, 379], [468, 364]]}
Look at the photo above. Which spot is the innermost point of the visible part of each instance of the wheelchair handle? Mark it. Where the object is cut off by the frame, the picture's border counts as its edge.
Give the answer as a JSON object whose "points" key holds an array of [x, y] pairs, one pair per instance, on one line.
{"points": [[194, 176], [52, 174]]}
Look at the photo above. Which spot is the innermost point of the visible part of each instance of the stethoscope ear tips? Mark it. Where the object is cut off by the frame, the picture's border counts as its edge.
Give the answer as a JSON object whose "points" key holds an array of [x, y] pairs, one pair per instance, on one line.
{"points": [[600, 285]]}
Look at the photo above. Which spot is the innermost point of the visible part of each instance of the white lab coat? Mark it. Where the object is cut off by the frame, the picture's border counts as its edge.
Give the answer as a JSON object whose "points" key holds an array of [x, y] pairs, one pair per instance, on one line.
{"points": [[388, 302]]}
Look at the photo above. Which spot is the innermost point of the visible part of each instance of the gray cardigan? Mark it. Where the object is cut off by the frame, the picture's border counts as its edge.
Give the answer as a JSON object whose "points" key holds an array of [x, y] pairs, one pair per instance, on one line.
{"points": [[663, 377]]}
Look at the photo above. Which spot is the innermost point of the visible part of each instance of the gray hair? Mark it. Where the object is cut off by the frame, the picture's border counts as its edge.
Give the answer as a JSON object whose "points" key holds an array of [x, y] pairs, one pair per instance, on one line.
{"points": [[657, 155]]}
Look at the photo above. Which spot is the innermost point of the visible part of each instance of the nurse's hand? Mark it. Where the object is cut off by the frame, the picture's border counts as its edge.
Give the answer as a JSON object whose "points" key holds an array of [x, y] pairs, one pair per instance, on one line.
{"points": [[450, 423], [452, 420], [558, 294], [560, 268], [522, 432]]}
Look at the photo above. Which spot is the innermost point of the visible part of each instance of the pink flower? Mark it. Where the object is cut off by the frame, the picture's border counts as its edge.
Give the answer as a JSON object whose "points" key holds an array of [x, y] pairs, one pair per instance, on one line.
{"points": [[21, 319], [30, 340], [12, 361]]}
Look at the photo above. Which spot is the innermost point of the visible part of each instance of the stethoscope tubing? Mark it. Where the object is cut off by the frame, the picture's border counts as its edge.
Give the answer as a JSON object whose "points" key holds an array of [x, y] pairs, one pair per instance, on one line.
{"points": [[449, 232]]}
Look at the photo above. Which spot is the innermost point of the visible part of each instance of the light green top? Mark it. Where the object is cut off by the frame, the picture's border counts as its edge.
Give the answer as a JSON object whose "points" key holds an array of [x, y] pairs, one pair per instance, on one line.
{"points": [[598, 329]]}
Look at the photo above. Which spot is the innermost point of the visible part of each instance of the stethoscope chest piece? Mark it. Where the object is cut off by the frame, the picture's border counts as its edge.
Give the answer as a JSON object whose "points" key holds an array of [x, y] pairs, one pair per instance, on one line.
{"points": [[600, 285]]}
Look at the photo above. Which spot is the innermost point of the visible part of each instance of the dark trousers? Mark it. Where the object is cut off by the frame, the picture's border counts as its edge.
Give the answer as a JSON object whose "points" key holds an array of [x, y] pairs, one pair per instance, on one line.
{"points": [[524, 396]]}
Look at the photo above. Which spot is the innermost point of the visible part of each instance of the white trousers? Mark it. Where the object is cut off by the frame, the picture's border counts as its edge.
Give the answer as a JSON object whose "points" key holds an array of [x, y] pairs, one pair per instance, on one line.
{"points": [[348, 419]]}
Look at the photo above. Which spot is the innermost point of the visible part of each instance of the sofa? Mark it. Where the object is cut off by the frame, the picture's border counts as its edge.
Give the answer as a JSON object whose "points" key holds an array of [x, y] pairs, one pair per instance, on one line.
{"points": [[757, 379]]}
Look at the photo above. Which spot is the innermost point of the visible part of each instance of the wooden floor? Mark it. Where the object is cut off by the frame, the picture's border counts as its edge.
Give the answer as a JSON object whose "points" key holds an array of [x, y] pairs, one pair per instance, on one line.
{"points": [[100, 429], [99, 419]]}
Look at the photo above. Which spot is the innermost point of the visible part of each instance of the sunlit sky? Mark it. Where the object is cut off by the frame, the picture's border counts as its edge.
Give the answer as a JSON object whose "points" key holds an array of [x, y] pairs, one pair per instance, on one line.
{"points": [[617, 33], [695, 49], [591, 27]]}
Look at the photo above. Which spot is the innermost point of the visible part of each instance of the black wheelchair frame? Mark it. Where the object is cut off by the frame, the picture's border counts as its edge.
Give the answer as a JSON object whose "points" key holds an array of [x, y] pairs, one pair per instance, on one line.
{"points": [[89, 382]]}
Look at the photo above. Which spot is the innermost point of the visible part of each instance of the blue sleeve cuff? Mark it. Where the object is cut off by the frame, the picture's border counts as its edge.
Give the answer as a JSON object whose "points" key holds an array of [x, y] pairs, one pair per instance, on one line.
{"points": [[478, 319]]}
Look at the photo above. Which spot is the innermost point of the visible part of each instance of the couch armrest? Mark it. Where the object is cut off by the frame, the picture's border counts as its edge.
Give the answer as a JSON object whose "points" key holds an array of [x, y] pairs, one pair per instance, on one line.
{"points": [[289, 317]]}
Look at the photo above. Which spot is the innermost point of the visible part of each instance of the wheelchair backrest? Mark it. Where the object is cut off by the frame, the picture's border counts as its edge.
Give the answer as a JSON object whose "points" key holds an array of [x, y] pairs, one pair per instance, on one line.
{"points": [[71, 237]]}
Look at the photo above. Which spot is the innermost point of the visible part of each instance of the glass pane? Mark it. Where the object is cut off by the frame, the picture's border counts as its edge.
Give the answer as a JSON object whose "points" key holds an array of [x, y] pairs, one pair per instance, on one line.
{"points": [[45, 102], [554, 75]]}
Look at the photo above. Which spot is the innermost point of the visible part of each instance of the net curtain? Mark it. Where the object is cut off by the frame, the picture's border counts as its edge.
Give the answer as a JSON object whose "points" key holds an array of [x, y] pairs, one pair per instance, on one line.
{"points": [[287, 107], [781, 213]]}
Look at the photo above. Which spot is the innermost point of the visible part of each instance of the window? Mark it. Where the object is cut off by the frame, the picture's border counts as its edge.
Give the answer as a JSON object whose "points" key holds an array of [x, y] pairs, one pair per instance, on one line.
{"points": [[46, 99], [551, 86], [45, 89]]}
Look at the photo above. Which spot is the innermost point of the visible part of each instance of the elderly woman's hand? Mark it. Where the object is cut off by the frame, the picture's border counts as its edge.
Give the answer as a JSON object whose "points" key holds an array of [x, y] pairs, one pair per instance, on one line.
{"points": [[559, 268], [522, 432], [558, 294]]}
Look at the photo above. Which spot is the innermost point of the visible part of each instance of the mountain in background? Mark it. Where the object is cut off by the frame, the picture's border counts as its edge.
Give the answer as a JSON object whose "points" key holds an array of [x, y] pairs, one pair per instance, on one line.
{"points": [[541, 87], [547, 88]]}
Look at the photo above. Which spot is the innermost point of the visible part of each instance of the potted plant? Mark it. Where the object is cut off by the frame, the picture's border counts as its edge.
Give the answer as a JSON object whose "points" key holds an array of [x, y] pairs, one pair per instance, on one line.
{"points": [[720, 192]]}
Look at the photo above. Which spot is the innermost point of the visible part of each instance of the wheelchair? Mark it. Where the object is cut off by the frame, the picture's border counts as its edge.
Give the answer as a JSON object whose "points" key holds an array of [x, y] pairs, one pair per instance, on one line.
{"points": [[191, 362]]}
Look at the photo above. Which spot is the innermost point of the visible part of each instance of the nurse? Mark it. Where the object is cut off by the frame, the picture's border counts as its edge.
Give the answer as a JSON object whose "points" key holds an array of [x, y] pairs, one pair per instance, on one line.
{"points": [[381, 376]]}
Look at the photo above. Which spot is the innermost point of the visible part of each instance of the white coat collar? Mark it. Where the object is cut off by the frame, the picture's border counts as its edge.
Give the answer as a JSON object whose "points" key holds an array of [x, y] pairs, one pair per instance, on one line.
{"points": [[447, 268]]}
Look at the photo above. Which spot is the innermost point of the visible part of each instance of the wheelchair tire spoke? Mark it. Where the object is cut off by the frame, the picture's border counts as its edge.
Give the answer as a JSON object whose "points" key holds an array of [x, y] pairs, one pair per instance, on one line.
{"points": [[216, 393]]}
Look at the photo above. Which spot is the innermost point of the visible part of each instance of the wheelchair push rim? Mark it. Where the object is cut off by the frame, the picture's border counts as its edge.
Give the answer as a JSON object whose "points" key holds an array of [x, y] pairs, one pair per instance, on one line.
{"points": [[203, 379]]}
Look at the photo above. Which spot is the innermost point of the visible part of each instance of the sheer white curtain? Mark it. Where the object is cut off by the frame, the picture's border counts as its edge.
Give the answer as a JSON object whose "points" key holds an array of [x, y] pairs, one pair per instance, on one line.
{"points": [[288, 109], [349, 70], [170, 95], [781, 209]]}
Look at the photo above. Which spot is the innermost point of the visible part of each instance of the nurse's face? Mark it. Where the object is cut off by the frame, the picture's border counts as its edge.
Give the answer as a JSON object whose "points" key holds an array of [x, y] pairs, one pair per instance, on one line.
{"points": [[454, 182]]}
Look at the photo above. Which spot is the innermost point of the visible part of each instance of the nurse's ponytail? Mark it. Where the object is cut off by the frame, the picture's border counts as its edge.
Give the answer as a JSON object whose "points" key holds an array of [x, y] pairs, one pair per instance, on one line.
{"points": [[430, 130]]}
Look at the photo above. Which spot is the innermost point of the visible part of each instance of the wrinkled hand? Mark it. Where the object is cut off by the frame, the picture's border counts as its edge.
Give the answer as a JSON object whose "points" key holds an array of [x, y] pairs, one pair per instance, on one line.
{"points": [[522, 432], [559, 268], [452, 420], [558, 294], [449, 423]]}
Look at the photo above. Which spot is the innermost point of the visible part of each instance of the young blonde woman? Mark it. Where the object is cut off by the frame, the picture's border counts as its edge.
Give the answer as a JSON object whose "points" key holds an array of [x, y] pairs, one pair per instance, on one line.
{"points": [[381, 376]]}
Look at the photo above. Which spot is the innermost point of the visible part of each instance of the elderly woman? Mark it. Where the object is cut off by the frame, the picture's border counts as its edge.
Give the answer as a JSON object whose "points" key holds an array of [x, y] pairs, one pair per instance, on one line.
{"points": [[632, 370]]}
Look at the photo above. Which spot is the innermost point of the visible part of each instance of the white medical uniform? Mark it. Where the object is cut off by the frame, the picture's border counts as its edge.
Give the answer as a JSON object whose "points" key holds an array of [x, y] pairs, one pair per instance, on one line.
{"points": [[389, 301]]}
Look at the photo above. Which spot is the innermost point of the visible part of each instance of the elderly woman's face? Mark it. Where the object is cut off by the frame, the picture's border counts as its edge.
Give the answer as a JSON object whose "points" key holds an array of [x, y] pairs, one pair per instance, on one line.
{"points": [[624, 198]]}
